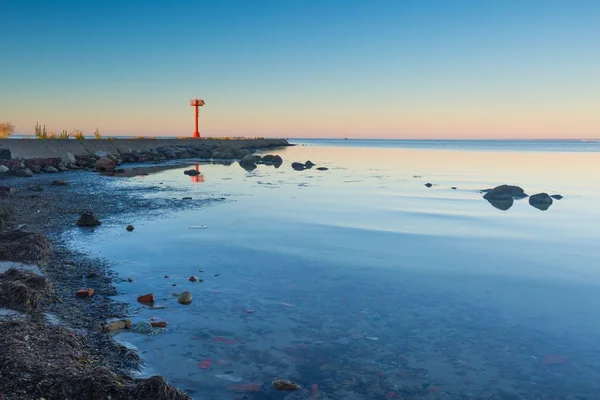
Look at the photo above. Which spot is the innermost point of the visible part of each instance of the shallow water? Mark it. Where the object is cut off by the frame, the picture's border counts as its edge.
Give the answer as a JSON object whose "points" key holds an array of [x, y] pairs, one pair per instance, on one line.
{"points": [[361, 283]]}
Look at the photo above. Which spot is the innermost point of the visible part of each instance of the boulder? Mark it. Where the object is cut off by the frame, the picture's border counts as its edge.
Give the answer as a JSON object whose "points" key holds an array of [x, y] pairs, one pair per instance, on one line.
{"points": [[87, 219], [130, 228], [3, 169], [105, 164], [298, 166], [224, 153], [100, 154], [428, 185], [504, 192], [50, 170], [24, 172], [5, 153], [557, 197], [309, 164], [68, 159], [146, 298], [272, 159], [541, 201]]}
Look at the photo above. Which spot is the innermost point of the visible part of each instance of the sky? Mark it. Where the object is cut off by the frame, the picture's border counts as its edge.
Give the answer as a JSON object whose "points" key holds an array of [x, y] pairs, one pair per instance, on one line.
{"points": [[421, 69]]}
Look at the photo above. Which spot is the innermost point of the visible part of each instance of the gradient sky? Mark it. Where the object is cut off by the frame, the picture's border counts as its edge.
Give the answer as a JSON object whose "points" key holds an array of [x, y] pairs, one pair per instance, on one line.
{"points": [[304, 68]]}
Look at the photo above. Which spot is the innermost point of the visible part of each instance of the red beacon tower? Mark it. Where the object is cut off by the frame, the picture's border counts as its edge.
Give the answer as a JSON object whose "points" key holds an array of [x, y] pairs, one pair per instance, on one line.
{"points": [[197, 103]]}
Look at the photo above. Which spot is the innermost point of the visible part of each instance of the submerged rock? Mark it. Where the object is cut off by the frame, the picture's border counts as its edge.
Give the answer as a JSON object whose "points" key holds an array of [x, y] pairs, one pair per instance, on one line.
{"points": [[87, 219], [185, 298], [557, 197], [428, 185], [504, 192], [35, 188], [129, 228], [309, 164], [541, 201], [322, 169], [283, 385], [58, 183]]}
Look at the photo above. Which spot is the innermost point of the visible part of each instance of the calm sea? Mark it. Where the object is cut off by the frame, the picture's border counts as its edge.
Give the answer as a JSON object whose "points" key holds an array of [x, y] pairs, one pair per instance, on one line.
{"points": [[360, 282]]}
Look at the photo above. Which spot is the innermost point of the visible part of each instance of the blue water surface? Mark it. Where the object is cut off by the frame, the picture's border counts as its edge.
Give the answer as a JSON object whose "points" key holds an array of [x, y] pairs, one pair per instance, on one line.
{"points": [[359, 282]]}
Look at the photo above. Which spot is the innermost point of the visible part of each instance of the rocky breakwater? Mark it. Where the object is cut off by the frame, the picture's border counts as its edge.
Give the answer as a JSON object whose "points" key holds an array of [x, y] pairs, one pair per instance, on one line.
{"points": [[107, 162]]}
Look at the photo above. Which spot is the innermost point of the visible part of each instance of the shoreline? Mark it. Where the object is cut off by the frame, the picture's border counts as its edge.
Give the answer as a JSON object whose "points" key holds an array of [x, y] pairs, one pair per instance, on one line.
{"points": [[48, 211]]}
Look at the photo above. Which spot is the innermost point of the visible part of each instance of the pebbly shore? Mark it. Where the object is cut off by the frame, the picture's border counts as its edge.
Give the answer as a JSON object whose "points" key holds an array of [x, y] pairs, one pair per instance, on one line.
{"points": [[52, 340]]}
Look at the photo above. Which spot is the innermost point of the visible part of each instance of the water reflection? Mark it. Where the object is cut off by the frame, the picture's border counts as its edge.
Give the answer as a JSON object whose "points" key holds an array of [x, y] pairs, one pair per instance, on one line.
{"points": [[198, 178], [503, 205]]}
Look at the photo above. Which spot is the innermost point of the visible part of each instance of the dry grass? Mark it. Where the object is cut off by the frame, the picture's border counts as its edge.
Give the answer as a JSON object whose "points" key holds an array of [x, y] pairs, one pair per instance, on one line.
{"points": [[64, 134], [6, 129], [97, 134]]}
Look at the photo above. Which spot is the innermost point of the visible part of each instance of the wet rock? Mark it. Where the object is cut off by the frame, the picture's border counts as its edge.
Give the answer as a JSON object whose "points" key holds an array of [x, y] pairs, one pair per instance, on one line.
{"points": [[541, 201], [504, 192], [49, 170], [105, 164], [186, 198], [298, 166], [158, 324], [4, 169], [116, 325], [58, 183], [287, 386], [130, 228], [146, 298], [193, 278], [191, 172], [85, 293], [129, 279], [185, 298], [322, 169], [24, 172], [87, 219], [428, 185], [557, 197], [453, 188], [271, 159], [35, 188], [309, 164]]}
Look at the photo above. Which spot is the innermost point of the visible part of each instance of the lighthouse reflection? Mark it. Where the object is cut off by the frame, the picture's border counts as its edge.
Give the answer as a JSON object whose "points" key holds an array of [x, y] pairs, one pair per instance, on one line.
{"points": [[198, 178]]}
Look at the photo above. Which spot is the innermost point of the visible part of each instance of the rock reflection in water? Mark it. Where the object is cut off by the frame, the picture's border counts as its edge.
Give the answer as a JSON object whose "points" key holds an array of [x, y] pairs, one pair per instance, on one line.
{"points": [[503, 205]]}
